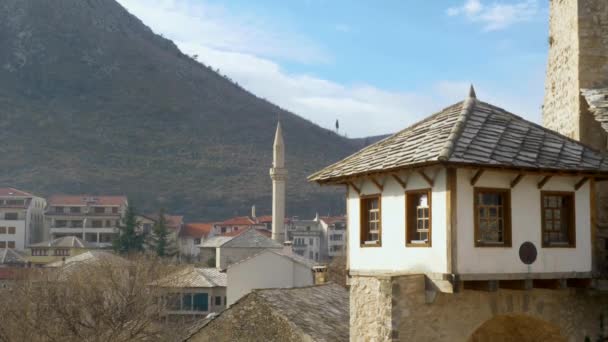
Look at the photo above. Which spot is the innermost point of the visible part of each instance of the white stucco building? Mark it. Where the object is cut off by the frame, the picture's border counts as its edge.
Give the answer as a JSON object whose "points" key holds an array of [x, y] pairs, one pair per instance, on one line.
{"points": [[226, 250], [94, 219], [265, 270], [472, 193], [21, 219]]}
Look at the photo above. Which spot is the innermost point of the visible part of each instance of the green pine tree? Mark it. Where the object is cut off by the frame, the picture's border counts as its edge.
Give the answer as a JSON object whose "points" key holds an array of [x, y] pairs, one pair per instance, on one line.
{"points": [[129, 238], [160, 240]]}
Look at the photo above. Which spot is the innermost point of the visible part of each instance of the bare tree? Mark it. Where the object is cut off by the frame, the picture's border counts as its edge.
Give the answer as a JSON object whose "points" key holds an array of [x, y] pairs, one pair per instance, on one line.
{"points": [[104, 300]]}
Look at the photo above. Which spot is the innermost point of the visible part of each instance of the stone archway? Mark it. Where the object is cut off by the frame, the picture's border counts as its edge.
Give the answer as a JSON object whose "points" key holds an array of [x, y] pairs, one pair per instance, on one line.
{"points": [[516, 328]]}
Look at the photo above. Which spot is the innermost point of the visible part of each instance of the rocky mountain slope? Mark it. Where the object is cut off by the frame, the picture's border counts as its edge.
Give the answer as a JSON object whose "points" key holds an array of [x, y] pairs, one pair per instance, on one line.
{"points": [[92, 101]]}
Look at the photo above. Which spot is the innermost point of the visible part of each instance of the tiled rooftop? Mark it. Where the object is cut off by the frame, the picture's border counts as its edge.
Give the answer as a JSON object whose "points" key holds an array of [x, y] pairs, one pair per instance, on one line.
{"points": [[471, 132]]}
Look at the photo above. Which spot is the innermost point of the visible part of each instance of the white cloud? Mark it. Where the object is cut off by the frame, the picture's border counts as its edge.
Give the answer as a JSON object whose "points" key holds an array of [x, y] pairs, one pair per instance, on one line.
{"points": [[217, 27], [496, 16], [245, 49]]}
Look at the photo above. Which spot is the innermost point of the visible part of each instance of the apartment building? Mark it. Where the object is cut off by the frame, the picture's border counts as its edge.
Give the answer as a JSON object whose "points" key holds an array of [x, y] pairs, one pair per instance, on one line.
{"points": [[21, 218], [94, 219], [334, 229]]}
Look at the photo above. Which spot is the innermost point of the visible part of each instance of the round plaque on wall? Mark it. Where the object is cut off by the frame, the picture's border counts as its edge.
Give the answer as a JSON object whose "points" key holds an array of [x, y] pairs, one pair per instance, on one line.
{"points": [[527, 253]]}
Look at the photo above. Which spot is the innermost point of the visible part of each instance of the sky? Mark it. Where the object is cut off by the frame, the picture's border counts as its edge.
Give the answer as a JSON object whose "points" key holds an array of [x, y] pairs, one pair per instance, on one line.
{"points": [[376, 66]]}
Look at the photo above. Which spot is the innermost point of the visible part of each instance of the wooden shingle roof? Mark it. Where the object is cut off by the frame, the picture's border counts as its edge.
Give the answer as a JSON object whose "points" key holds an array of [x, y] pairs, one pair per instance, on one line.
{"points": [[471, 132]]}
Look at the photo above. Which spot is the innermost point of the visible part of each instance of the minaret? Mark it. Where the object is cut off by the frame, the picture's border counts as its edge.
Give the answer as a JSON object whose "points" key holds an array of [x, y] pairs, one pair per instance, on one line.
{"points": [[278, 174]]}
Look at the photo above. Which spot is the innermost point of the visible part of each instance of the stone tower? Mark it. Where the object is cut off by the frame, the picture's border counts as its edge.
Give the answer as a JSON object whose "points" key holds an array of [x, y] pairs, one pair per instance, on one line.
{"points": [[578, 62], [578, 59], [278, 174]]}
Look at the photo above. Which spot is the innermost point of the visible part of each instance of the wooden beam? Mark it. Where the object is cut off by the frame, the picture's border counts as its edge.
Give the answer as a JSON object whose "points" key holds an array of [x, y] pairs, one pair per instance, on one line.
{"points": [[544, 181], [580, 183], [551, 284], [355, 187], [426, 178], [377, 184], [477, 176], [400, 181], [451, 209], [517, 179], [520, 284], [579, 283], [481, 285], [593, 223]]}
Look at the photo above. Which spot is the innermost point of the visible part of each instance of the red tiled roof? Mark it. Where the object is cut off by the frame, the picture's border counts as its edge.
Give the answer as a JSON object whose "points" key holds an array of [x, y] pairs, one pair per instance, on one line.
{"points": [[6, 274], [264, 219], [237, 221], [82, 200], [196, 230], [13, 192]]}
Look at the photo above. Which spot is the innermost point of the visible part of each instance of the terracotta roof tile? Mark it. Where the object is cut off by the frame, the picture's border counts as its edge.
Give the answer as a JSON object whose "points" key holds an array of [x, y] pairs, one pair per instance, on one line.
{"points": [[237, 221], [5, 192], [196, 230]]}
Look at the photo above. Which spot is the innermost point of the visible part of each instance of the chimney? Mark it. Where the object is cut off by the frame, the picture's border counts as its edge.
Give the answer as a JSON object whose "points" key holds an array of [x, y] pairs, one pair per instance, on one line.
{"points": [[253, 215]]}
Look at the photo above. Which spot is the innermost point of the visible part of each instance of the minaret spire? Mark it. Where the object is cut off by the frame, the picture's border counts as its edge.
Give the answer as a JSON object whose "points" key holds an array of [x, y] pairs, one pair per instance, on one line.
{"points": [[278, 174]]}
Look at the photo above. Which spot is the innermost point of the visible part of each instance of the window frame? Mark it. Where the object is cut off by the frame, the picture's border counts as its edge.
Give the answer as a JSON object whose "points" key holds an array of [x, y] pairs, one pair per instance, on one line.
{"points": [[507, 228], [410, 226], [362, 219], [571, 226]]}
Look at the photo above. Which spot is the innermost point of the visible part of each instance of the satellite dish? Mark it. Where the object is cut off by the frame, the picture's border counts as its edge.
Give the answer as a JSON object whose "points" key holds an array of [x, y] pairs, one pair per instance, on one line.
{"points": [[528, 253]]}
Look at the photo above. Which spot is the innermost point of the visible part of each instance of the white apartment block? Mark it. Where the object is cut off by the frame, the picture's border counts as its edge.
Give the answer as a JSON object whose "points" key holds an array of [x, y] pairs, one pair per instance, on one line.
{"points": [[93, 219], [334, 228], [21, 218]]}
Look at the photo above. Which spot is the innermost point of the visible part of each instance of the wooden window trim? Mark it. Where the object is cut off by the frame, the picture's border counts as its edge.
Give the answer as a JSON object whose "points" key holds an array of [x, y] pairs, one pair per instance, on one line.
{"points": [[571, 226], [506, 220], [410, 225], [362, 220]]}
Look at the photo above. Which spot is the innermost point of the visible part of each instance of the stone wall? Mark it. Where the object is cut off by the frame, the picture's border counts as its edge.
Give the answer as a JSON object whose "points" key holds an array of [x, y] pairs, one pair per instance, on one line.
{"points": [[562, 102], [578, 59], [248, 320], [403, 307]]}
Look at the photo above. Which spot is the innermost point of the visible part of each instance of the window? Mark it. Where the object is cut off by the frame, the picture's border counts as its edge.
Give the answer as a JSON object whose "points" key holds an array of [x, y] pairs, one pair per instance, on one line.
{"points": [[311, 242], [106, 237], [114, 210], [61, 223], [418, 218], [558, 227], [371, 227], [77, 223], [2, 244], [11, 230], [74, 210], [97, 224], [11, 244], [11, 216], [218, 300], [492, 217], [310, 255], [197, 241], [2, 230], [223, 230], [61, 252], [59, 210], [200, 302]]}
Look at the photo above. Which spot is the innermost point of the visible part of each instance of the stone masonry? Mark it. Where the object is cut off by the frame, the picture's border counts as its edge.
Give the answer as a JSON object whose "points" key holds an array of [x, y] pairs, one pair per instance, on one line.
{"points": [[578, 59], [400, 309]]}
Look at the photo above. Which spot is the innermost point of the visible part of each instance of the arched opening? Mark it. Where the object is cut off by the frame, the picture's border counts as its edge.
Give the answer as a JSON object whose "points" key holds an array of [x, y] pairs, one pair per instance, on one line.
{"points": [[516, 328]]}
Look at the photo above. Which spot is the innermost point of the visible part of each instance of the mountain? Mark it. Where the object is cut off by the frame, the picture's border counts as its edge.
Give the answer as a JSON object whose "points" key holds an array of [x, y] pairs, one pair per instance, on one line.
{"points": [[92, 101]]}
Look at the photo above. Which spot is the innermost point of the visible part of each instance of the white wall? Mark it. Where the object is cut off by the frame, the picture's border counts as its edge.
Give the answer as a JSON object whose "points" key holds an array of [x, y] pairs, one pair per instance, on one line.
{"points": [[394, 255], [227, 256], [266, 270], [526, 226], [18, 237]]}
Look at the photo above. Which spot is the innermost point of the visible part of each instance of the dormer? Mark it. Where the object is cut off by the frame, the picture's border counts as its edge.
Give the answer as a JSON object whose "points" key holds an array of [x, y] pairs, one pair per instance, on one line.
{"points": [[472, 192]]}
